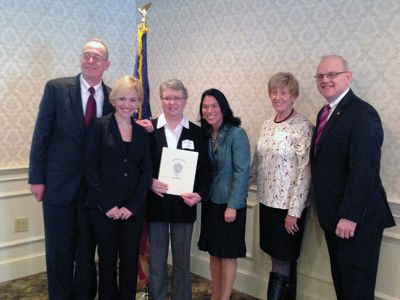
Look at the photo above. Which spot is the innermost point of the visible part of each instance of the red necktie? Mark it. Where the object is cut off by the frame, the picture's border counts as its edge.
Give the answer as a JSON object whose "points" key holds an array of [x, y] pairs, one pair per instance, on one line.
{"points": [[90, 112], [323, 119]]}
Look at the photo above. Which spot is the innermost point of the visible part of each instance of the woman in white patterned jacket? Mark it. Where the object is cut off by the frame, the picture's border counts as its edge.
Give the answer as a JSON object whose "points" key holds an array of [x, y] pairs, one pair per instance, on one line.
{"points": [[281, 171]]}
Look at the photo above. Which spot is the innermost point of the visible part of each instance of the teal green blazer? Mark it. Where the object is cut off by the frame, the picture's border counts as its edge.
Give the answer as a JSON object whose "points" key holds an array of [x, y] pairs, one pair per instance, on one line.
{"points": [[230, 157]]}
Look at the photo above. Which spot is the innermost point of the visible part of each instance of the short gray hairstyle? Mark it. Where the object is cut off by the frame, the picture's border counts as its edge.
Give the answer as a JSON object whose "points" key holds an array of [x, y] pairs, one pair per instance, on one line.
{"points": [[174, 84]]}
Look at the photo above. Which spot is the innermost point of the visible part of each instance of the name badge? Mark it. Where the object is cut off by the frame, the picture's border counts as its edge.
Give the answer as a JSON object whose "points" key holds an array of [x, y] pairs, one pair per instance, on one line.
{"points": [[187, 144]]}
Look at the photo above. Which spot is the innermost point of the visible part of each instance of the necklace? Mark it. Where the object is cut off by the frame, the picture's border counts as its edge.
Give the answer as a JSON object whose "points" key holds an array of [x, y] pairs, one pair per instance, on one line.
{"points": [[214, 137], [291, 113]]}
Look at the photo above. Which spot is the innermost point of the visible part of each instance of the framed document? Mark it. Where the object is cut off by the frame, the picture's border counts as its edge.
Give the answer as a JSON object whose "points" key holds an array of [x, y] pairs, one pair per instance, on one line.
{"points": [[178, 170]]}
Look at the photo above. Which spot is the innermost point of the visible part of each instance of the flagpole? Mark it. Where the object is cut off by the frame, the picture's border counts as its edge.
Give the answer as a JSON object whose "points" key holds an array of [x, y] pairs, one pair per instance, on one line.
{"points": [[141, 62], [144, 113]]}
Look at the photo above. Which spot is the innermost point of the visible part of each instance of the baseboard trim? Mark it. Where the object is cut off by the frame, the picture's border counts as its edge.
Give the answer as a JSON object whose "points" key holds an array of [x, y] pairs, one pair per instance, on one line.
{"points": [[22, 266], [22, 242]]}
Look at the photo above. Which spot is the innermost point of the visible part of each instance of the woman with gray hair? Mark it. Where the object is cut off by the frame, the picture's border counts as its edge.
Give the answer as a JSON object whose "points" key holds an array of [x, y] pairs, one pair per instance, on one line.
{"points": [[171, 217], [281, 170]]}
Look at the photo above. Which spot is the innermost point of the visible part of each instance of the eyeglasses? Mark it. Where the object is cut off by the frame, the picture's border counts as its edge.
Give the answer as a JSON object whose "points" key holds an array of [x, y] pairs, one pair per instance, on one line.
{"points": [[176, 99], [330, 75], [95, 58]]}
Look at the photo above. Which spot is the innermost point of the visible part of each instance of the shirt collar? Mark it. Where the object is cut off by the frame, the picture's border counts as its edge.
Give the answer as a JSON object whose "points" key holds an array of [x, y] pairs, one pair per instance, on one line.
{"points": [[85, 85], [335, 103], [161, 122]]}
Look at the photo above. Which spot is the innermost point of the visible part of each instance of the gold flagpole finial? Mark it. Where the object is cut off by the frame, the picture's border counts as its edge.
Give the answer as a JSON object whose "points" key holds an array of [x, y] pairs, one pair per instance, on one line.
{"points": [[143, 11]]}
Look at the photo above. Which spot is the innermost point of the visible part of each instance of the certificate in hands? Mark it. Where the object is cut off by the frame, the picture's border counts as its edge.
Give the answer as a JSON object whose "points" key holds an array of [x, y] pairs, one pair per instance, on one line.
{"points": [[178, 170]]}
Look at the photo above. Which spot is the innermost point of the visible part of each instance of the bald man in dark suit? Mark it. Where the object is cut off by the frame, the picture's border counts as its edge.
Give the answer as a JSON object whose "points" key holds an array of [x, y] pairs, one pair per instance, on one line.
{"points": [[56, 173], [351, 202]]}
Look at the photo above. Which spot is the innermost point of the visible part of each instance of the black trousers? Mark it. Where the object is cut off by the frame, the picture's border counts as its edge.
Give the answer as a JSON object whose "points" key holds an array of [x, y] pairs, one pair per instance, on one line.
{"points": [[70, 250], [60, 226], [354, 264], [117, 239], [85, 276]]}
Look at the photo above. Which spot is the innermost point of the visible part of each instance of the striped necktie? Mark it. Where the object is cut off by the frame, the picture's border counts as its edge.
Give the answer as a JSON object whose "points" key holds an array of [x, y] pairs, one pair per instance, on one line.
{"points": [[323, 119]]}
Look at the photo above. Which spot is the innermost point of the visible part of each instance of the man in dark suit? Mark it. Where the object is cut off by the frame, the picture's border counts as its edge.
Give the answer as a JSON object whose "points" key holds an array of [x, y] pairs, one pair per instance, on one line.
{"points": [[350, 199], [56, 173]]}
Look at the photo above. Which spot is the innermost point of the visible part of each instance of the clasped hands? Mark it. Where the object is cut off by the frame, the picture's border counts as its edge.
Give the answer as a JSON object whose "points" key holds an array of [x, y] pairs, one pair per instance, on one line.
{"points": [[160, 188], [116, 213]]}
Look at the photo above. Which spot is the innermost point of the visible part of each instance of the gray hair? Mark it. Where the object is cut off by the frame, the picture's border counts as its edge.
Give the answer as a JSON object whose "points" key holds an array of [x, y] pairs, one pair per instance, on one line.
{"points": [[101, 42], [174, 84]]}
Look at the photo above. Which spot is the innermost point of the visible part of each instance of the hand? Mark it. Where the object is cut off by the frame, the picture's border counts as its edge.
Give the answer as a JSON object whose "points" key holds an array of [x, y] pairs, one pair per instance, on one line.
{"points": [[114, 213], [345, 228], [291, 224], [159, 187], [38, 191], [191, 199], [230, 215], [125, 213], [146, 124]]}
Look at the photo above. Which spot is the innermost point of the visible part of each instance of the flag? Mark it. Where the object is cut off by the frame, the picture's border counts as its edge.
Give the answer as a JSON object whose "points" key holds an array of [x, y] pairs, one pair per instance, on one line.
{"points": [[143, 262], [141, 70], [143, 113]]}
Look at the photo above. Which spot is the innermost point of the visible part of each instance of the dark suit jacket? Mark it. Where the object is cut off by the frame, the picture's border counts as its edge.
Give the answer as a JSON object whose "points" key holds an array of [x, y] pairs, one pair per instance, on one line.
{"points": [[58, 142], [171, 208], [345, 168], [117, 174]]}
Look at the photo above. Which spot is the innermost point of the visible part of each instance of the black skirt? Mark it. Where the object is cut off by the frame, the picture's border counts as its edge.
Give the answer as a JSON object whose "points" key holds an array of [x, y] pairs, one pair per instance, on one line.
{"points": [[274, 239], [221, 239]]}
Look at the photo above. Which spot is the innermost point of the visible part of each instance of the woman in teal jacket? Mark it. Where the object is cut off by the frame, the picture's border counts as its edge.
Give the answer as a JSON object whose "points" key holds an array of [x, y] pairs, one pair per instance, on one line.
{"points": [[224, 216]]}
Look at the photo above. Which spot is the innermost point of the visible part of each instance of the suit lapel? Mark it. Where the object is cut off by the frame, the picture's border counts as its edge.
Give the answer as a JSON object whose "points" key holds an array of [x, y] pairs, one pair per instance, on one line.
{"points": [[334, 118], [221, 138], [76, 102], [107, 107], [116, 134]]}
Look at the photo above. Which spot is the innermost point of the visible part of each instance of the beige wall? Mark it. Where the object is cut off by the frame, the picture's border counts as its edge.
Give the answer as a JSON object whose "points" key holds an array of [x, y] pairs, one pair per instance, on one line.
{"points": [[41, 40], [232, 45], [236, 46]]}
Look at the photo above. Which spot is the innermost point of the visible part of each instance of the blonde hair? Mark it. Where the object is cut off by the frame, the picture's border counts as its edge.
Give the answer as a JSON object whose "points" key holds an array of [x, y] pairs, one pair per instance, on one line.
{"points": [[284, 79], [124, 84]]}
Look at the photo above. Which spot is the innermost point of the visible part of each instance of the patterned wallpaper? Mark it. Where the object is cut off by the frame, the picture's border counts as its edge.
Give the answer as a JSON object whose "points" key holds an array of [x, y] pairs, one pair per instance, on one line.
{"points": [[41, 40], [238, 45], [233, 45]]}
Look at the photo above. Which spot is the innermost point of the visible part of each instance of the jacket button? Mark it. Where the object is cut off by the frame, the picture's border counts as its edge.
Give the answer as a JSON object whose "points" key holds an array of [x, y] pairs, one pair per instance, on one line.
{"points": [[125, 160], [126, 174]]}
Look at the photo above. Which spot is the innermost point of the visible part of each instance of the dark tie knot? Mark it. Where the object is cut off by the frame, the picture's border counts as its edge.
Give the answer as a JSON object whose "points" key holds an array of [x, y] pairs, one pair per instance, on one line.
{"points": [[327, 107], [91, 90]]}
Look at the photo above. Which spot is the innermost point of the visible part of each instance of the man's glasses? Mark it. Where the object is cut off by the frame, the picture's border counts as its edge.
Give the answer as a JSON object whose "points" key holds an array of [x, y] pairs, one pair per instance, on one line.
{"points": [[94, 57], [330, 75]]}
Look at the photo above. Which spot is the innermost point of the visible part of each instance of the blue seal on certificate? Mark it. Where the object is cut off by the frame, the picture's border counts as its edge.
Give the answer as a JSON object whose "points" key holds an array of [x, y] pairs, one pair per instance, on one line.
{"points": [[178, 167]]}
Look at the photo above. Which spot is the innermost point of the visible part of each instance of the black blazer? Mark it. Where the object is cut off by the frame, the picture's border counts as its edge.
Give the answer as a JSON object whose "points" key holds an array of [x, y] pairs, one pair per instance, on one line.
{"points": [[58, 142], [345, 168], [172, 208], [117, 174]]}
